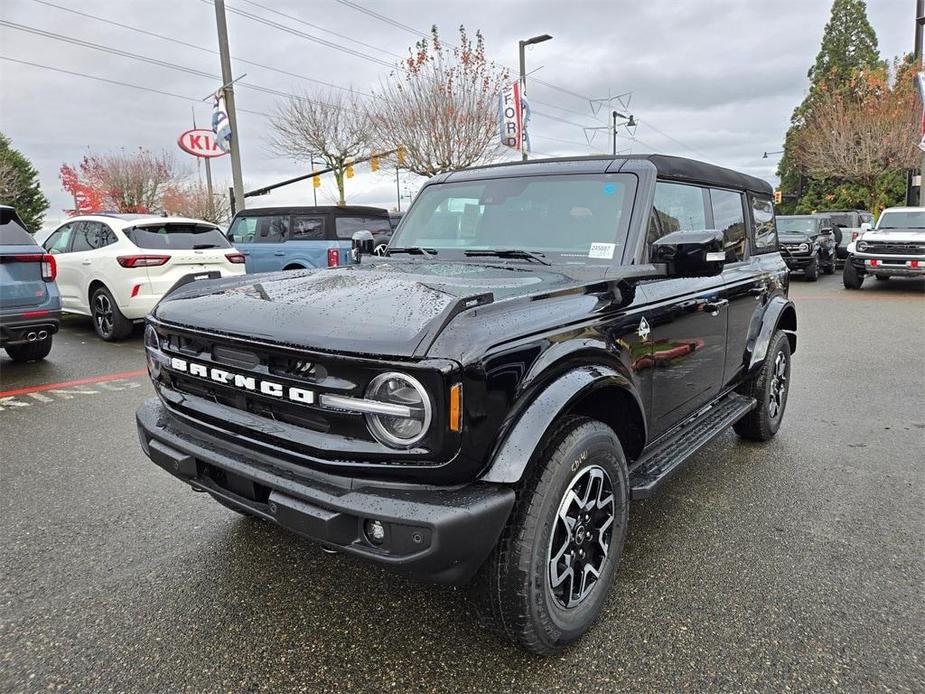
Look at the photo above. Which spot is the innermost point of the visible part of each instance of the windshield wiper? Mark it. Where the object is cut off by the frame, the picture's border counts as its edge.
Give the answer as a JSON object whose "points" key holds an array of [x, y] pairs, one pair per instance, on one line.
{"points": [[413, 250], [511, 253]]}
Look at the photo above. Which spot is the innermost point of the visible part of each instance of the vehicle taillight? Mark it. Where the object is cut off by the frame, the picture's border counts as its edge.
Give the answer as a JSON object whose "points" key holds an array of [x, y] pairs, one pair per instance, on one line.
{"points": [[333, 257], [236, 258], [49, 267], [142, 260]]}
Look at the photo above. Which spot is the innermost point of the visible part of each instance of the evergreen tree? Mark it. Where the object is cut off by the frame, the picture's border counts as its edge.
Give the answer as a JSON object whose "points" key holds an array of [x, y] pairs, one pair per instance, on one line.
{"points": [[19, 186], [849, 48]]}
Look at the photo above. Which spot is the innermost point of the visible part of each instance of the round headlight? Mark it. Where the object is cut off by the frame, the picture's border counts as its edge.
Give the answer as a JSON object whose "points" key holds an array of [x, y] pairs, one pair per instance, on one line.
{"points": [[862, 245], [804, 247], [412, 410]]}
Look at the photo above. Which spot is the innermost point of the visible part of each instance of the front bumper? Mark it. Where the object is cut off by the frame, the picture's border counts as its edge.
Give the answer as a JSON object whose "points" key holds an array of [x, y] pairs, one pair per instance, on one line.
{"points": [[887, 265], [16, 327], [439, 534], [798, 262]]}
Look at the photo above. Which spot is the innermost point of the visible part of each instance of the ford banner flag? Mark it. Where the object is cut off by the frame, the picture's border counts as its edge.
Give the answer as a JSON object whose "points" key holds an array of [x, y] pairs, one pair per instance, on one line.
{"points": [[221, 125], [513, 117]]}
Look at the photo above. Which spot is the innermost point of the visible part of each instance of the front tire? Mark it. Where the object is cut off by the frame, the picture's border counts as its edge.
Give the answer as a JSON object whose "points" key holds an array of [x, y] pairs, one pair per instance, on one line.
{"points": [[547, 580], [108, 321], [850, 276], [29, 351], [770, 388], [811, 273]]}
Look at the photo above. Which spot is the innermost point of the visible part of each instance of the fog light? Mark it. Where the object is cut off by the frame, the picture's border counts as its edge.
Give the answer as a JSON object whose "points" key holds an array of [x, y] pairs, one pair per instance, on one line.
{"points": [[375, 531]]}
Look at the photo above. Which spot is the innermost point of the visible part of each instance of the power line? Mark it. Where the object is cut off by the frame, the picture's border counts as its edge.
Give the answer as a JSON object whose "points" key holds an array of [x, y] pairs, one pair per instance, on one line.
{"points": [[75, 73], [194, 46], [676, 141]]}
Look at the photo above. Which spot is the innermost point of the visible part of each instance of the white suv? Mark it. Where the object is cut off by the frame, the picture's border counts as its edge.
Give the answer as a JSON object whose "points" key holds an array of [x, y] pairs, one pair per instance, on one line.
{"points": [[896, 248], [114, 268]]}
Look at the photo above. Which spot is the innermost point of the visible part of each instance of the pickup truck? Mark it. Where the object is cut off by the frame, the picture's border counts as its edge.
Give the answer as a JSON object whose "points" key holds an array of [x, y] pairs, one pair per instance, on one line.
{"points": [[895, 248]]}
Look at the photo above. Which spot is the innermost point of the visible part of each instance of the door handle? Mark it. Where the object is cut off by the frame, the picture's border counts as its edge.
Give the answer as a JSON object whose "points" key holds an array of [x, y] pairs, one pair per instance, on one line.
{"points": [[86, 262], [713, 307], [279, 252]]}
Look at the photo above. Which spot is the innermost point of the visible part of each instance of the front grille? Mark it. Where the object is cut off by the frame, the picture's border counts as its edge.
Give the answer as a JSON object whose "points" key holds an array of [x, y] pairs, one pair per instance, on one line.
{"points": [[795, 249], [894, 248]]}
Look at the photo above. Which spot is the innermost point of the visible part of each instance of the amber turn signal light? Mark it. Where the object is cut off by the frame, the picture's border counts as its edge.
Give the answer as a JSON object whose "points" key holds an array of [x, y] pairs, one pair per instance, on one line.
{"points": [[456, 407]]}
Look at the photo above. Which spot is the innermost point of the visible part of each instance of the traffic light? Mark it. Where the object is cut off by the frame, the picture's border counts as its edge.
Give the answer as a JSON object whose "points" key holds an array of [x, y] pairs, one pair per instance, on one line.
{"points": [[778, 196], [374, 162], [400, 154], [316, 180], [348, 172]]}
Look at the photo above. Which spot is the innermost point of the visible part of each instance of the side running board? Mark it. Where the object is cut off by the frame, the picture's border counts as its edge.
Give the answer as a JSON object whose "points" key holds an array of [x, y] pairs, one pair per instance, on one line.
{"points": [[667, 456]]}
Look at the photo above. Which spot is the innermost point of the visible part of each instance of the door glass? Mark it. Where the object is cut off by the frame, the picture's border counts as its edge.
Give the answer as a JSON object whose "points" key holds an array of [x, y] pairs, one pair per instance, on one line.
{"points": [[58, 241], [272, 229], [305, 228], [92, 235], [729, 217], [679, 207], [243, 230]]}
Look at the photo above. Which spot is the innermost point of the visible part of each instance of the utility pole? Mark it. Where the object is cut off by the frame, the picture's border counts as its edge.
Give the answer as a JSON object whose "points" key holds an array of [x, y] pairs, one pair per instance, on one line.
{"points": [[228, 88], [397, 188], [920, 57], [615, 114]]}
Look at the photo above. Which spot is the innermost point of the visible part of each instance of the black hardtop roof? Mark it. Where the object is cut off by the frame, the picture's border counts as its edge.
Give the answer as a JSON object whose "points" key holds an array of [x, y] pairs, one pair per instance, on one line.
{"points": [[679, 169], [320, 209], [815, 215]]}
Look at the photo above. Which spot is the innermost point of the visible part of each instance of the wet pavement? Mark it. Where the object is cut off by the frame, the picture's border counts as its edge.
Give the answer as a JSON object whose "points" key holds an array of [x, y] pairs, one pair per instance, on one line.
{"points": [[794, 565]]}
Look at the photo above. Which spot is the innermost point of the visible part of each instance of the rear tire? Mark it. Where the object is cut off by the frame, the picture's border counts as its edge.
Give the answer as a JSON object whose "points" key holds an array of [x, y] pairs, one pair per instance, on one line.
{"points": [[811, 273], [29, 351], [829, 267], [770, 388], [571, 511], [108, 321], [850, 277]]}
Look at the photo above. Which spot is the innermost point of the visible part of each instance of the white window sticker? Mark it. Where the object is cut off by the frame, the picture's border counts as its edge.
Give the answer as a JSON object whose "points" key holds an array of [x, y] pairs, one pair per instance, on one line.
{"points": [[602, 250]]}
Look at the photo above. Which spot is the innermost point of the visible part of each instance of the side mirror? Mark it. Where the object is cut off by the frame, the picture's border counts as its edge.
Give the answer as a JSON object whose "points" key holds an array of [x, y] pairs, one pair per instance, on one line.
{"points": [[362, 243], [866, 226], [691, 253]]}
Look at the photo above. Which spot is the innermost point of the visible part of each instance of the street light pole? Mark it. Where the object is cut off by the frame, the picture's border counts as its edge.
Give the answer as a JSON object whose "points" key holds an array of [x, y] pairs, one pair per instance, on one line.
{"points": [[523, 71]]}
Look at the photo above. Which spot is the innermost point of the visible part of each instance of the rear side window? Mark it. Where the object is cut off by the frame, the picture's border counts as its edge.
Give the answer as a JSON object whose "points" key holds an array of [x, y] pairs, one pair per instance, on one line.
{"points": [[92, 235], [729, 218], [11, 234], [177, 236], [270, 228], [346, 226], [677, 207], [307, 228], [765, 228]]}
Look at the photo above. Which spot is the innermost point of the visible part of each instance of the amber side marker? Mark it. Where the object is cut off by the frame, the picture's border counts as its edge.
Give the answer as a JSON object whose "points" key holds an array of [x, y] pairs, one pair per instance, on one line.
{"points": [[456, 407]]}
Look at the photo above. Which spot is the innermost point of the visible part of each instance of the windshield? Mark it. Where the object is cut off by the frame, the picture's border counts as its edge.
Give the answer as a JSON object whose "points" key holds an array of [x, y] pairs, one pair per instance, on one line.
{"points": [[177, 236], [575, 218], [902, 219], [796, 225]]}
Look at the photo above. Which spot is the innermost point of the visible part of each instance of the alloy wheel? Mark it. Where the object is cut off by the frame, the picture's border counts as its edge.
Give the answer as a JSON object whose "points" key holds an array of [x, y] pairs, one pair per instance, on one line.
{"points": [[103, 314], [778, 386], [581, 536]]}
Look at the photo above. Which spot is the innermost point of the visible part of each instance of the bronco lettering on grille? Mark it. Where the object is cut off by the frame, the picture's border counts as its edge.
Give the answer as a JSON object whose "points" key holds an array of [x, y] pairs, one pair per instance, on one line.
{"points": [[249, 383]]}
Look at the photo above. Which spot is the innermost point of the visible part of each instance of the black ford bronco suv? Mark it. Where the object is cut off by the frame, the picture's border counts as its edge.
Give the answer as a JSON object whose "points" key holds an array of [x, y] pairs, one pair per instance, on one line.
{"points": [[544, 342]]}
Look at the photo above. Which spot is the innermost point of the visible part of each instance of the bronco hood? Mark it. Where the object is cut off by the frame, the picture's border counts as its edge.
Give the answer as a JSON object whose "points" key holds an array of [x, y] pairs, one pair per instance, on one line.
{"points": [[384, 307]]}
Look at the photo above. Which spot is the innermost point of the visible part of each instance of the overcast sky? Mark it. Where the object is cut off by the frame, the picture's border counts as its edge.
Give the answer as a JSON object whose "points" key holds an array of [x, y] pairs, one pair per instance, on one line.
{"points": [[710, 79]]}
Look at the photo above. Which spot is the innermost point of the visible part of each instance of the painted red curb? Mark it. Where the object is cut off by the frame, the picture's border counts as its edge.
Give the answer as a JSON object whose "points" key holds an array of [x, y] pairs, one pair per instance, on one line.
{"points": [[77, 382]]}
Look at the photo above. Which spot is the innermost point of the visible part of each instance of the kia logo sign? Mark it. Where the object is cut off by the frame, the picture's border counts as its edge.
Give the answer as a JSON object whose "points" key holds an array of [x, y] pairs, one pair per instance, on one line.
{"points": [[200, 143]]}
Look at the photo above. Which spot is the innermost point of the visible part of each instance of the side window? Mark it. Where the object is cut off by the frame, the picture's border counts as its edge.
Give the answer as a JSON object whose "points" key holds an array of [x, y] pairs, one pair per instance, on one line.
{"points": [[92, 235], [272, 229], [243, 230], [729, 217], [765, 228], [59, 240], [346, 226], [305, 228], [679, 207]]}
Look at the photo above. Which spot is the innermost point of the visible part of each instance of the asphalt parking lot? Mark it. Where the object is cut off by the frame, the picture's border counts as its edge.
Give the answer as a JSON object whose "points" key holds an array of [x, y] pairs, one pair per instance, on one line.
{"points": [[795, 565]]}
